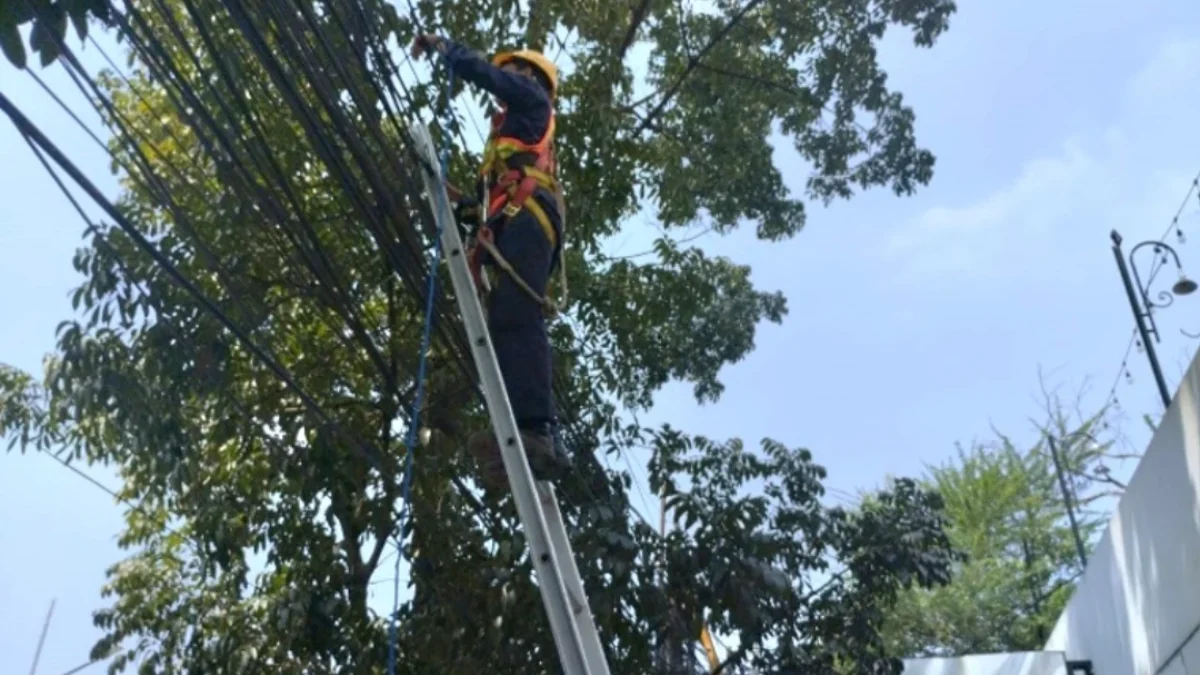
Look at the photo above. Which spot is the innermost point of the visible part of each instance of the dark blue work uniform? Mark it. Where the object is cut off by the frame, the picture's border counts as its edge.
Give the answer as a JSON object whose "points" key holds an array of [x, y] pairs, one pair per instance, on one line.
{"points": [[518, 326]]}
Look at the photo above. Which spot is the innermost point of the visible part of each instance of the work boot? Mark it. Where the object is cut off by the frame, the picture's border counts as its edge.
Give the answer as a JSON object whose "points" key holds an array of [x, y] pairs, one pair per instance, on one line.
{"points": [[544, 461], [483, 447]]}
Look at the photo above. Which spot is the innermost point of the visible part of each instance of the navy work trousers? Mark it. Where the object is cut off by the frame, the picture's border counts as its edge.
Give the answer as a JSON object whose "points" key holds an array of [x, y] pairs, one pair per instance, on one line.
{"points": [[518, 326]]}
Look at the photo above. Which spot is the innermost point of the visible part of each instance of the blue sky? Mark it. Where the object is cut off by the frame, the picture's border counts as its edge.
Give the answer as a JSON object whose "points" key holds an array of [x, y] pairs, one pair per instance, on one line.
{"points": [[915, 323]]}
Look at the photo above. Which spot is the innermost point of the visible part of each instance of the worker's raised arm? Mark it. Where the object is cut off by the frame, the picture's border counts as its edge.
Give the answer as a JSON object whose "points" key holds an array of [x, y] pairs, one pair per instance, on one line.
{"points": [[517, 91]]}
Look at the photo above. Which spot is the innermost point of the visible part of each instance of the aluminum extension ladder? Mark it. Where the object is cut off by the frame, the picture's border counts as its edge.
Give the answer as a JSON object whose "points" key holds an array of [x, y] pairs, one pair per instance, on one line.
{"points": [[562, 591]]}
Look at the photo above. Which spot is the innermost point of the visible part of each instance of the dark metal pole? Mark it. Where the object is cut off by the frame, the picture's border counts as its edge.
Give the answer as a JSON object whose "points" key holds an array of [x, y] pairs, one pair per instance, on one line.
{"points": [[1066, 493], [1140, 317]]}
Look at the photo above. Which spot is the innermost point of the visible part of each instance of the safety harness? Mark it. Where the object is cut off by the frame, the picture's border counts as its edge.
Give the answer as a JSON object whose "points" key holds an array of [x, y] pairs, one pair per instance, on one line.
{"points": [[511, 173]]}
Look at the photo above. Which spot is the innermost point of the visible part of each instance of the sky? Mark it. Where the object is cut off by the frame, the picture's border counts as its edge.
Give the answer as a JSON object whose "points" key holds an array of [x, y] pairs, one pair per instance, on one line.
{"points": [[915, 323]]}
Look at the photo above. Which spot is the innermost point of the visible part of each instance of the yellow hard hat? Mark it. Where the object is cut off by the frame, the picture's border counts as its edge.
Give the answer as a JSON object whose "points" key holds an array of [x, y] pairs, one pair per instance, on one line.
{"points": [[535, 59]]}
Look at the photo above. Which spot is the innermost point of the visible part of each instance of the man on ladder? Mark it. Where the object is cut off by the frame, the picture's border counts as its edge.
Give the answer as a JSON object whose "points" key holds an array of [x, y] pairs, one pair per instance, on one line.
{"points": [[521, 232]]}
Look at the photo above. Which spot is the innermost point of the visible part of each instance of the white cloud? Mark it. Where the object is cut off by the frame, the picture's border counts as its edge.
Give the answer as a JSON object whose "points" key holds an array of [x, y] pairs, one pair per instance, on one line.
{"points": [[1134, 170], [956, 238], [1173, 67]]}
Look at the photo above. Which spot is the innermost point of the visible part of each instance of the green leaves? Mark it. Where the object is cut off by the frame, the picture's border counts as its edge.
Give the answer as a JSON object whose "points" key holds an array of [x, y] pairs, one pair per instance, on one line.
{"points": [[48, 32], [10, 43], [49, 26], [263, 531], [757, 552], [12, 15], [78, 11], [684, 318], [1009, 518]]}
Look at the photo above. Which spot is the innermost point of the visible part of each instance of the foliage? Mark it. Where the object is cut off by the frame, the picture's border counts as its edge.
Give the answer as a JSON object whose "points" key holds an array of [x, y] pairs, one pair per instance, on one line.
{"points": [[752, 560], [48, 19], [259, 531], [1007, 514]]}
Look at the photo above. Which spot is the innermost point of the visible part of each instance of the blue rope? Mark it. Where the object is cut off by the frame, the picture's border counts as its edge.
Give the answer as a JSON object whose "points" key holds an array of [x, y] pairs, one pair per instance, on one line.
{"points": [[414, 418]]}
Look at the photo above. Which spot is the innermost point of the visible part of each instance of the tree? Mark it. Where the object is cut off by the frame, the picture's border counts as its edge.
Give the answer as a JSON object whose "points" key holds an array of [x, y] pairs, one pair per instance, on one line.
{"points": [[1008, 515], [1088, 445], [255, 149]]}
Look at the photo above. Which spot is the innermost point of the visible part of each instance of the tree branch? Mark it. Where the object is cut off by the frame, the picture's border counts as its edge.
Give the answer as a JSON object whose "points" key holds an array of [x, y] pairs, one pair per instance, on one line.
{"points": [[651, 251], [789, 89], [683, 31], [1105, 477], [360, 575], [384, 522], [561, 42], [736, 655], [693, 62], [1060, 584], [836, 576], [1098, 496], [755, 79], [639, 15]]}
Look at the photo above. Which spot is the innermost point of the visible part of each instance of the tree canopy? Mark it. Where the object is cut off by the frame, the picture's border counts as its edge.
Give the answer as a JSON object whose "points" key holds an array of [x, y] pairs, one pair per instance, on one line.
{"points": [[261, 148], [1008, 515]]}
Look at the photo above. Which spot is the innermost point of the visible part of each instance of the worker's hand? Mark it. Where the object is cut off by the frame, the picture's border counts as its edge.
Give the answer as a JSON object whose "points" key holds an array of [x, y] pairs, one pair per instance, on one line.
{"points": [[424, 44]]}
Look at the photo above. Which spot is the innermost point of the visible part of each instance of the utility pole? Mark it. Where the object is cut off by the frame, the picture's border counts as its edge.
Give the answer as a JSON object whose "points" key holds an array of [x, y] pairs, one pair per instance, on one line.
{"points": [[1067, 501]]}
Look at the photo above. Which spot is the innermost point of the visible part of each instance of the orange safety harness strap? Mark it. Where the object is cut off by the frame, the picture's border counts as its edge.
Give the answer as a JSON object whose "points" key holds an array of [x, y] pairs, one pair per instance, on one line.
{"points": [[512, 192]]}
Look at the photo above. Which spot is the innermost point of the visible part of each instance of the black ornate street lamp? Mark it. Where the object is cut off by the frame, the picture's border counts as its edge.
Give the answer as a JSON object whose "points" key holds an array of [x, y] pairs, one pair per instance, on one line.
{"points": [[1143, 311]]}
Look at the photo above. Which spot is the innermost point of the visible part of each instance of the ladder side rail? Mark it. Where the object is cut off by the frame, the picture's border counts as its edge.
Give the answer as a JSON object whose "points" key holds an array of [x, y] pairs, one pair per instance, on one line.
{"points": [[593, 651]]}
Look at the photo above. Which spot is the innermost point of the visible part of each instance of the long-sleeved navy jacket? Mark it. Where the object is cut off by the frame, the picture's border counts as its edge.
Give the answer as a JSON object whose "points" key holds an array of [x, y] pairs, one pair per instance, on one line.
{"points": [[529, 106]]}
